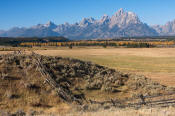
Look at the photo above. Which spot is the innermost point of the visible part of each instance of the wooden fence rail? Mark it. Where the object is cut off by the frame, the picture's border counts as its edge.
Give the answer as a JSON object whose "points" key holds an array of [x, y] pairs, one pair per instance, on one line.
{"points": [[164, 100], [144, 101], [65, 94]]}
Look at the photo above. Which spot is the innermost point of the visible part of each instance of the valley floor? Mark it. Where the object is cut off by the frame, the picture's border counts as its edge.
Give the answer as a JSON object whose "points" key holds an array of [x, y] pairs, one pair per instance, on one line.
{"points": [[155, 63]]}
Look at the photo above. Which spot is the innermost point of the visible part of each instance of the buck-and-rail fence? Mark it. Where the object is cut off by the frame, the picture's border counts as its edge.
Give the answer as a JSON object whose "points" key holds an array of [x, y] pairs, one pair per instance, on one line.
{"points": [[162, 100]]}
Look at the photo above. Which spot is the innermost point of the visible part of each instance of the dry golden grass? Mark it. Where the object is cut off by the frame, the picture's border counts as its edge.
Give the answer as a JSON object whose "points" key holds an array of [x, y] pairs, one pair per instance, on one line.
{"points": [[39, 98], [156, 63], [144, 52], [128, 112]]}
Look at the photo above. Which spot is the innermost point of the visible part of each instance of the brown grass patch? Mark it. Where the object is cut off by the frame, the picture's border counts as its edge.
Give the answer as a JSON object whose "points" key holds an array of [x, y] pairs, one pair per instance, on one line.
{"points": [[156, 63]]}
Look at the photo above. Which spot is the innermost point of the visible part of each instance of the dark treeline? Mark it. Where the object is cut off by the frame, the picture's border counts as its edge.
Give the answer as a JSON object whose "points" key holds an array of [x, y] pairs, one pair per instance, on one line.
{"points": [[15, 41], [130, 42], [159, 38], [139, 45], [113, 44]]}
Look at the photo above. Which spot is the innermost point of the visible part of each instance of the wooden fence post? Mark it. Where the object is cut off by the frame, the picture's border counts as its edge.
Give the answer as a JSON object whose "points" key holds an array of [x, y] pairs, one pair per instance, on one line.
{"points": [[142, 99]]}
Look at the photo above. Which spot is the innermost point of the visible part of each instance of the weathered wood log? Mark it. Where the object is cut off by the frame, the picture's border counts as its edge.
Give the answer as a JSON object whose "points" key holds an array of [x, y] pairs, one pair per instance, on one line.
{"points": [[63, 93]]}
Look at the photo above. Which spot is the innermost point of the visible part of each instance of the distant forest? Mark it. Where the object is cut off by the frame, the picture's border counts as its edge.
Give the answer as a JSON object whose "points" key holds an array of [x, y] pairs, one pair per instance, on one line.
{"points": [[131, 42], [10, 41]]}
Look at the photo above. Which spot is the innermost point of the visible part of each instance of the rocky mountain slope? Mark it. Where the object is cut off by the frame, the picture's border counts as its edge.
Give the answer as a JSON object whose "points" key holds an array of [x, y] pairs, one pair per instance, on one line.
{"points": [[35, 31], [167, 29], [121, 24]]}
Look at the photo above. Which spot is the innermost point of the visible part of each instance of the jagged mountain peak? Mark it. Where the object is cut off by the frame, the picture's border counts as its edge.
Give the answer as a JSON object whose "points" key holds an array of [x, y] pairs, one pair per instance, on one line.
{"points": [[120, 12], [105, 15], [66, 24], [87, 21], [122, 23], [123, 18], [132, 14], [91, 20], [49, 23], [167, 29], [105, 18], [170, 22]]}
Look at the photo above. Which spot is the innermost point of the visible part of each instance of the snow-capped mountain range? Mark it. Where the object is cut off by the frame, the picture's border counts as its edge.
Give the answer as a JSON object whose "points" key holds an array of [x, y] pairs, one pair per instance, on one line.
{"points": [[167, 29], [121, 24]]}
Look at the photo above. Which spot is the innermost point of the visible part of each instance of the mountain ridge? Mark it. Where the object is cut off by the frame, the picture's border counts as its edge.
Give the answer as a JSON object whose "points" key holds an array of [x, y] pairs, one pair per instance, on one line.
{"points": [[167, 29], [120, 24]]}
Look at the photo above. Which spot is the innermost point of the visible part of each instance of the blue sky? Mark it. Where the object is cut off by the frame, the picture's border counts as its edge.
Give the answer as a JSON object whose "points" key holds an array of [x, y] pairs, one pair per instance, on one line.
{"points": [[25, 13]]}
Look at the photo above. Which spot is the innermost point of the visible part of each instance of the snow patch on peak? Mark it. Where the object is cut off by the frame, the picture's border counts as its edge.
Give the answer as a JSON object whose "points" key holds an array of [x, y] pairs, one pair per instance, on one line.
{"points": [[122, 18], [105, 19], [51, 25], [121, 10], [132, 14], [122, 23], [87, 21]]}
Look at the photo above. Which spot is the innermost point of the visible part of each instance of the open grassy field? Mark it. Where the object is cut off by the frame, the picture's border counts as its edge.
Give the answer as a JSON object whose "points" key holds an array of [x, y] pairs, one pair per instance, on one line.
{"points": [[155, 63]]}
